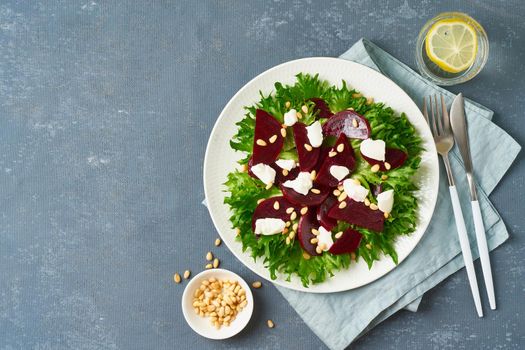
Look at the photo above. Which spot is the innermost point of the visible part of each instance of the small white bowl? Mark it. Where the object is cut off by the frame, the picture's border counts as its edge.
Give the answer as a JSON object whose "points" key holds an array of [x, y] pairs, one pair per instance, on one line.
{"points": [[202, 325]]}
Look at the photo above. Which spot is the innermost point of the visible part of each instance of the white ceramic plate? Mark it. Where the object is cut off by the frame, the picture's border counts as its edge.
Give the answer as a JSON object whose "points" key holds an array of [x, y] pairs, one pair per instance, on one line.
{"points": [[220, 159], [202, 325]]}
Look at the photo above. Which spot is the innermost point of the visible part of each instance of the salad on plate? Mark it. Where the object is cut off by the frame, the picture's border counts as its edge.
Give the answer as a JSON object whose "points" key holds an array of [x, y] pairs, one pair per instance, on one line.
{"points": [[327, 179]]}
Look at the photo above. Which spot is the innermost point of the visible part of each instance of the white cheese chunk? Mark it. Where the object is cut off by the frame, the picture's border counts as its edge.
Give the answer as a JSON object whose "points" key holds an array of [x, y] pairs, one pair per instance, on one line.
{"points": [[325, 237], [385, 201], [302, 183], [339, 172], [290, 117], [374, 149], [287, 164], [264, 172], [315, 134], [269, 226], [357, 192]]}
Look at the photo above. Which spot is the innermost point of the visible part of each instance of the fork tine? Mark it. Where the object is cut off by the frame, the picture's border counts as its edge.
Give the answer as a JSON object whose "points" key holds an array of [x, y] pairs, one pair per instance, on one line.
{"points": [[425, 111], [434, 116], [445, 114], [439, 116]]}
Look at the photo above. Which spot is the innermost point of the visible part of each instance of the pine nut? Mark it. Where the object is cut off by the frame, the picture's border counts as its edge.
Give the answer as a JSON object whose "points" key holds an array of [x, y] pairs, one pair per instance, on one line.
{"points": [[306, 256], [357, 182], [269, 185], [314, 240], [384, 177], [273, 139], [341, 147], [313, 174], [342, 205], [373, 206], [308, 147], [237, 231], [283, 132], [388, 166], [287, 104], [304, 109], [304, 210], [217, 242], [318, 250], [288, 241], [270, 324], [257, 284], [315, 232], [369, 100], [299, 115], [292, 235], [336, 193], [215, 263], [295, 226], [285, 172], [276, 205], [332, 154], [357, 95], [176, 278], [315, 190], [260, 142], [289, 210], [208, 266], [386, 214], [367, 202], [209, 256], [187, 274], [338, 234], [375, 168], [368, 246], [293, 216], [354, 123], [287, 224], [342, 197], [259, 201]]}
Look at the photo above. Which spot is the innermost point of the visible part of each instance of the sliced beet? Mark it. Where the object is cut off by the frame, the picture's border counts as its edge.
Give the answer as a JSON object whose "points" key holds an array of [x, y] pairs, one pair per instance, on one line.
{"points": [[322, 213], [304, 232], [266, 209], [395, 157], [307, 159], [267, 128], [309, 200], [345, 158], [343, 123], [357, 213], [347, 243], [279, 176], [322, 107], [323, 153]]}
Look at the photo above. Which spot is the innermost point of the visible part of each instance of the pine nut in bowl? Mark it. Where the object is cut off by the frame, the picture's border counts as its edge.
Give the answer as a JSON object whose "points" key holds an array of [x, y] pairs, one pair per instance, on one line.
{"points": [[217, 304]]}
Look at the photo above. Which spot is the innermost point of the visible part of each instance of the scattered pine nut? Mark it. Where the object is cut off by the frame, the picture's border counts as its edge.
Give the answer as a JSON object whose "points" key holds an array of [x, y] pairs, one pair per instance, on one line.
{"points": [[257, 284], [357, 95], [208, 266], [215, 263], [342, 205], [313, 174], [176, 278], [318, 250], [306, 256], [270, 324], [373, 206], [288, 241], [287, 104], [314, 240], [304, 109], [386, 215], [367, 202], [315, 232], [217, 242], [338, 234], [388, 166], [261, 142], [187, 274], [276, 205], [209, 256], [283, 132], [375, 168], [368, 246], [295, 226], [237, 231], [269, 185], [289, 210], [285, 172], [332, 154], [259, 201], [273, 139], [308, 147], [293, 216], [342, 197], [288, 223], [336, 193], [292, 235], [357, 182], [355, 124], [340, 147], [299, 115], [369, 100], [304, 210], [315, 190], [384, 177]]}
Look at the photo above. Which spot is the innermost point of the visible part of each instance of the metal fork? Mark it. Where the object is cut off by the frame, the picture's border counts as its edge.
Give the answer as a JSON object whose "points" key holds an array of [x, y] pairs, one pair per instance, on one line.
{"points": [[440, 125]]}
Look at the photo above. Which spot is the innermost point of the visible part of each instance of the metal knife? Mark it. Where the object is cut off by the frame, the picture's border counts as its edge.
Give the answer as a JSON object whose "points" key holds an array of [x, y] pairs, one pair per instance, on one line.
{"points": [[459, 128]]}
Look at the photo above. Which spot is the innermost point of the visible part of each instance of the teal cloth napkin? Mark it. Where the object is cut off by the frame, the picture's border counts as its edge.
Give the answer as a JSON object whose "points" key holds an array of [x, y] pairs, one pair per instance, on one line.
{"points": [[438, 254]]}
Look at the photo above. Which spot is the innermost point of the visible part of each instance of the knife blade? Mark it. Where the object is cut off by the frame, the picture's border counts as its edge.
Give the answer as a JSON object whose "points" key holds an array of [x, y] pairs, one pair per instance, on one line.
{"points": [[459, 129]]}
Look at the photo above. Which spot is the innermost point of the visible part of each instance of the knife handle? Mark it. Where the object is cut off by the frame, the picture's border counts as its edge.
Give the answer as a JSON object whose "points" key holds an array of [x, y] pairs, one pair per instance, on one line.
{"points": [[481, 237], [465, 248]]}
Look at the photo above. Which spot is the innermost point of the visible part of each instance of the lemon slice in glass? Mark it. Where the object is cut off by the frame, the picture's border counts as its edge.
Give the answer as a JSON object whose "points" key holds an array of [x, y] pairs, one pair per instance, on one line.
{"points": [[452, 44]]}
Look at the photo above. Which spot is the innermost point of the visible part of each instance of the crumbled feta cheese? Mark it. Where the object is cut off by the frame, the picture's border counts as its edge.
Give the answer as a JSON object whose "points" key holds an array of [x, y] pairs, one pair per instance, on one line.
{"points": [[325, 237], [339, 172], [287, 164], [302, 183], [357, 192], [385, 201], [264, 172], [374, 149], [269, 226], [315, 134], [290, 117]]}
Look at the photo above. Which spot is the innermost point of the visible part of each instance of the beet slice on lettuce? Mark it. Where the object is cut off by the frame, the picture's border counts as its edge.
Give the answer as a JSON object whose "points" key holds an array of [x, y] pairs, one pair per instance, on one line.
{"points": [[322, 107], [304, 232], [267, 140], [347, 243], [266, 209], [322, 213], [393, 156], [279, 176], [307, 159], [343, 123], [311, 199], [345, 158], [357, 213]]}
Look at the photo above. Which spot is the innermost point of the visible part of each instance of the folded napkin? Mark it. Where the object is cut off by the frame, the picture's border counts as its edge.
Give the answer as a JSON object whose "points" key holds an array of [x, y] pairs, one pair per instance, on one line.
{"points": [[438, 254]]}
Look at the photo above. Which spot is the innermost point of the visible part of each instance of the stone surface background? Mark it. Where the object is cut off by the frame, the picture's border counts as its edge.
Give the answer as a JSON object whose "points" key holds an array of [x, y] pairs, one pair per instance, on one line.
{"points": [[105, 110]]}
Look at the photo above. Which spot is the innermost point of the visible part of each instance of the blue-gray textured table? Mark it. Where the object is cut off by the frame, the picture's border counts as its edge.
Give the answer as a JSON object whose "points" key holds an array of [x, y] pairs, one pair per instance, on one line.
{"points": [[105, 110]]}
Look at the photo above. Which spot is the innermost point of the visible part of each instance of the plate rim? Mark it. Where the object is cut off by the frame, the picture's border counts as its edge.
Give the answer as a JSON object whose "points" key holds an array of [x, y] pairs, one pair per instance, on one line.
{"points": [[247, 85]]}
